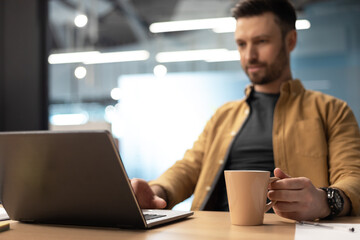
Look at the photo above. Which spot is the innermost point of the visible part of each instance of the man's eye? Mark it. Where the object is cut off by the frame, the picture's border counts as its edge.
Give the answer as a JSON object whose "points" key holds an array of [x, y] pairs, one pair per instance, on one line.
{"points": [[241, 44]]}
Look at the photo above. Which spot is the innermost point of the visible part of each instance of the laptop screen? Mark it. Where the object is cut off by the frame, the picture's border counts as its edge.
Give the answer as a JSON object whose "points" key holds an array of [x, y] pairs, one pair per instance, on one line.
{"points": [[67, 178]]}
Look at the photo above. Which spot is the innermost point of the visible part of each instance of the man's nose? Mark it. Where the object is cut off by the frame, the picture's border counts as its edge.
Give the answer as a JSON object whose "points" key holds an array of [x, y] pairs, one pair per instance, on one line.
{"points": [[251, 54]]}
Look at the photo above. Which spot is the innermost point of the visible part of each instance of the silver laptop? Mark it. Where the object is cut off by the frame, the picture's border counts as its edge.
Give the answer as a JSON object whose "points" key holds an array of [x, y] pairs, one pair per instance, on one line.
{"points": [[74, 178]]}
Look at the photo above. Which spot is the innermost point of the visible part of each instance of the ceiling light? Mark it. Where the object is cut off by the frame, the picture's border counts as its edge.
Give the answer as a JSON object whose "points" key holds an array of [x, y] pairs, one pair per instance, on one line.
{"points": [[197, 24], [96, 57], [80, 72], [113, 57], [110, 113], [160, 70], [81, 20], [75, 57], [227, 56], [193, 55], [225, 29], [69, 119], [115, 94], [218, 25], [302, 24]]}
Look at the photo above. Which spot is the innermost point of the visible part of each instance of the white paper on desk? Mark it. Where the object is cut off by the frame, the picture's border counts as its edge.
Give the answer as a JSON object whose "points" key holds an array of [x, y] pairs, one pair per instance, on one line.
{"points": [[3, 214], [305, 232]]}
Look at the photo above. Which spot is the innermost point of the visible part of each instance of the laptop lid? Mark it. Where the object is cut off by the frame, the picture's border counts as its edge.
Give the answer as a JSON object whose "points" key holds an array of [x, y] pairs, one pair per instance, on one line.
{"points": [[67, 178]]}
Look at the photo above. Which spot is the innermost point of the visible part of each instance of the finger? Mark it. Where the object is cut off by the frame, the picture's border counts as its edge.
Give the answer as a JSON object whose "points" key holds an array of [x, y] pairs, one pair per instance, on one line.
{"points": [[154, 203], [158, 202], [280, 174], [290, 184], [290, 215], [285, 195], [145, 196], [287, 206], [139, 185]]}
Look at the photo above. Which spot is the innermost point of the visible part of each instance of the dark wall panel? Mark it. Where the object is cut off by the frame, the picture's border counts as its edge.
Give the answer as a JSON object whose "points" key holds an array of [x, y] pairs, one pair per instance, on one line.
{"points": [[23, 76], [1, 63]]}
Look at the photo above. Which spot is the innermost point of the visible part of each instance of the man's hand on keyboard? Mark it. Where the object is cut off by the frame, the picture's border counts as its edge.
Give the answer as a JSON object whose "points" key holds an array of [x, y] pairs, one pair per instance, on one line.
{"points": [[146, 196]]}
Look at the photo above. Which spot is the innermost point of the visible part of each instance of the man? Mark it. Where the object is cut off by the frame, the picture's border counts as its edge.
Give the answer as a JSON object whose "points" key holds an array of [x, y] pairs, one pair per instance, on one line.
{"points": [[311, 136]]}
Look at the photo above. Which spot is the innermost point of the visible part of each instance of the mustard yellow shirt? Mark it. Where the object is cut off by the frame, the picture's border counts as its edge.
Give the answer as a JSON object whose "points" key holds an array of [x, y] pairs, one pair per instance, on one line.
{"points": [[314, 135]]}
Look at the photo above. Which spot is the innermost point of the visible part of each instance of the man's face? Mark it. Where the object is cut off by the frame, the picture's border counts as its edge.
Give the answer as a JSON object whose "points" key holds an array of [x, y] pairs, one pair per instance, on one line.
{"points": [[263, 53]]}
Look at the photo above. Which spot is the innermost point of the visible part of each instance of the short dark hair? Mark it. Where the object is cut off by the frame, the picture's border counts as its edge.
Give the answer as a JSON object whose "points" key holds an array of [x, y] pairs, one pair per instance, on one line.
{"points": [[282, 9]]}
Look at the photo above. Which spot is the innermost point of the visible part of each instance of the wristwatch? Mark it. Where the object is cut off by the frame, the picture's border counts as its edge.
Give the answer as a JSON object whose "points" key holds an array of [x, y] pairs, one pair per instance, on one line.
{"points": [[335, 201]]}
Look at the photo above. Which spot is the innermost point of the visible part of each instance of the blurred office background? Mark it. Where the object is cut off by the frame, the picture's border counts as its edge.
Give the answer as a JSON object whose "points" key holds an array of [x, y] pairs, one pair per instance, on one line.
{"points": [[113, 64]]}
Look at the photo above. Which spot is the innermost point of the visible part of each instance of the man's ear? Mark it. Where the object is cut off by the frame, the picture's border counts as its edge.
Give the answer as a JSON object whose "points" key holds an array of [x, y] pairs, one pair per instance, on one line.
{"points": [[291, 39]]}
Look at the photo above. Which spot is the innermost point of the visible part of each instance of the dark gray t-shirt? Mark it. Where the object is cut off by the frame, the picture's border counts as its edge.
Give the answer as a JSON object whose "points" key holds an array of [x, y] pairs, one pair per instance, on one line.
{"points": [[252, 147]]}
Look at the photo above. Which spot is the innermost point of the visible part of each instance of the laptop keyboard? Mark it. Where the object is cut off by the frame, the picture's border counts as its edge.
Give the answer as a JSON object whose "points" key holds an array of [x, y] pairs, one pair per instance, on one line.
{"points": [[153, 216]]}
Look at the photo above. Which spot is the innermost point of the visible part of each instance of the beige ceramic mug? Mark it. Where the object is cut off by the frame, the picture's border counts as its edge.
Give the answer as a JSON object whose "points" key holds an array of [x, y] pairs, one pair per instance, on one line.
{"points": [[246, 191]]}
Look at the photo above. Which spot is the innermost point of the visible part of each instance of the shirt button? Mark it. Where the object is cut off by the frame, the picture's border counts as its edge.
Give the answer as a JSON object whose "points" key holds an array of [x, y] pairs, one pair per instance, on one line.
{"points": [[208, 188], [233, 133], [246, 111], [221, 161]]}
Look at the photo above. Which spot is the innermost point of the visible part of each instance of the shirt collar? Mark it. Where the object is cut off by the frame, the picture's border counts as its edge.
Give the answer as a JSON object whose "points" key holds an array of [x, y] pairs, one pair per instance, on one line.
{"points": [[292, 86]]}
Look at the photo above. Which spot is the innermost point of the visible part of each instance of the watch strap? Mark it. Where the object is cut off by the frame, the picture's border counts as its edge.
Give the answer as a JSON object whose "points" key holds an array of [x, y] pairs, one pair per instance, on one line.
{"points": [[335, 201]]}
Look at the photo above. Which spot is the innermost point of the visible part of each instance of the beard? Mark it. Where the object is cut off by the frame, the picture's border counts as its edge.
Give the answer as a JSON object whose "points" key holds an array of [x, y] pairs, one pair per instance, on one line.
{"points": [[272, 71]]}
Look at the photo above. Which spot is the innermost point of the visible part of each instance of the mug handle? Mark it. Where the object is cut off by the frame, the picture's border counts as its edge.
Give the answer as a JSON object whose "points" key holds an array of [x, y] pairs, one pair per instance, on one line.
{"points": [[271, 203]]}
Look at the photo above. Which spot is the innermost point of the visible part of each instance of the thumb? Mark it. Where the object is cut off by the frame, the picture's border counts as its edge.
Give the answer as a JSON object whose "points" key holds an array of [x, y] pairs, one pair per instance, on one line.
{"points": [[280, 174]]}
